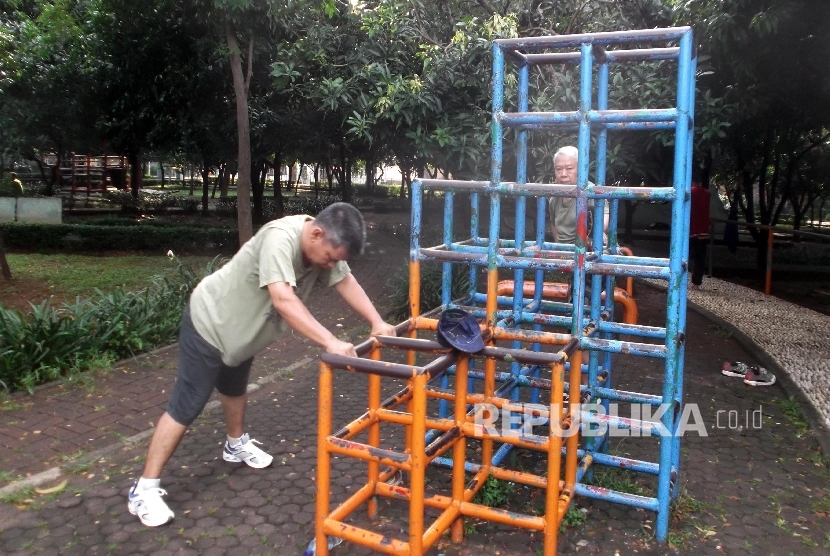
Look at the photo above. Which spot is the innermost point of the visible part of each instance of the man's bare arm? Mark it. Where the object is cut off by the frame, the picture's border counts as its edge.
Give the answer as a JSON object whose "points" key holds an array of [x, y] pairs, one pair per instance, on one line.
{"points": [[298, 317], [352, 292]]}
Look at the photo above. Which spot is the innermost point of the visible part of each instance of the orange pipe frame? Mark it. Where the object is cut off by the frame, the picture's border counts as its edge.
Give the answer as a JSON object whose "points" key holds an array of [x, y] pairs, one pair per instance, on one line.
{"points": [[414, 460], [559, 290], [458, 505]]}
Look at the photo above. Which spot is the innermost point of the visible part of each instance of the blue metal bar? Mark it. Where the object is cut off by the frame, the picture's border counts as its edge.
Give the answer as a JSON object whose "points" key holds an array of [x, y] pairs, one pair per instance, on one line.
{"points": [[548, 189], [635, 55], [629, 348], [588, 116], [676, 297], [529, 44], [608, 495], [521, 203], [613, 126], [682, 308]]}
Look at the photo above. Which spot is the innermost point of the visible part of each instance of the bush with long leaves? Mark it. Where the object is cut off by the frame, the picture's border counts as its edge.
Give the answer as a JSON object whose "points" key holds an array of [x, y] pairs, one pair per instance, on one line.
{"points": [[431, 277], [48, 343]]}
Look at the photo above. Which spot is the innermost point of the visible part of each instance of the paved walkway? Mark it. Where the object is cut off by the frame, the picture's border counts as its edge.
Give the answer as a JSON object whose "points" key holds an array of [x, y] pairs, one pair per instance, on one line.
{"points": [[747, 490]]}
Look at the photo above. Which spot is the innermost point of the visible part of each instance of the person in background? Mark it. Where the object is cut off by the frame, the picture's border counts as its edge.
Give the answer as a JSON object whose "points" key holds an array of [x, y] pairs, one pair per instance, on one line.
{"points": [[698, 231], [562, 210]]}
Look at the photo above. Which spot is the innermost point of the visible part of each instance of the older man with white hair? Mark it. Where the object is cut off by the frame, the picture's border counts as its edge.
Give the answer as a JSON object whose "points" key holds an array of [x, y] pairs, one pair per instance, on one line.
{"points": [[562, 210]]}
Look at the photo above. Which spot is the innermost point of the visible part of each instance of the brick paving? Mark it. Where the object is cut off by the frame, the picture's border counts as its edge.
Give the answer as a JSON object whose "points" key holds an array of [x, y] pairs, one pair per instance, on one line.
{"points": [[746, 490]]}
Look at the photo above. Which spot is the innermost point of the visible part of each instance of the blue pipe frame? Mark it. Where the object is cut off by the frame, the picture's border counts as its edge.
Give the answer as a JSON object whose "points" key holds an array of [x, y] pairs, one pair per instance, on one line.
{"points": [[600, 265]]}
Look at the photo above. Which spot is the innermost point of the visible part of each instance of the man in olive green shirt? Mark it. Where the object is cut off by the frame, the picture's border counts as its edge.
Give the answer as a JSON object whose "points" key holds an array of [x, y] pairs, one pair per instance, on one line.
{"points": [[235, 313]]}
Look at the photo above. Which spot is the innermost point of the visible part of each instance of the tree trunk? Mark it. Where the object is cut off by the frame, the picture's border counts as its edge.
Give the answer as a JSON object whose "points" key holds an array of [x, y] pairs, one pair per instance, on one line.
{"points": [[205, 189], [243, 184], [347, 182], [257, 191], [223, 169], [278, 185], [161, 169], [278, 177], [299, 177], [330, 176], [370, 175], [223, 187], [135, 174]]}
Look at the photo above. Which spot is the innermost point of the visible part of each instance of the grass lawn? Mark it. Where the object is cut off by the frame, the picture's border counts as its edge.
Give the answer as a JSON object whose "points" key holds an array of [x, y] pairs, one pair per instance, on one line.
{"points": [[64, 276]]}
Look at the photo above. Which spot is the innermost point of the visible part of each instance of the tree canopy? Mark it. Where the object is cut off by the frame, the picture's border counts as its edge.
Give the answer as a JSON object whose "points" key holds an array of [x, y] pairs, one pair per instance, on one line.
{"points": [[249, 85]]}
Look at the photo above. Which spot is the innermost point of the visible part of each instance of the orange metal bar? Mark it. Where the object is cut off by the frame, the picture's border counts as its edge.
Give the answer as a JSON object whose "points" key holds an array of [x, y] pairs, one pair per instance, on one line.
{"points": [[551, 521], [559, 290], [365, 452], [629, 282], [514, 519], [447, 518], [414, 313], [353, 502], [490, 364], [402, 493], [572, 442], [357, 535], [530, 442], [373, 470], [323, 457], [418, 464], [459, 449]]}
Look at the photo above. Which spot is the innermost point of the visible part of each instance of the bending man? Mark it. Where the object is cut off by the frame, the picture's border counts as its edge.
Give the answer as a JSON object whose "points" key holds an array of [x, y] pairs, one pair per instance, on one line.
{"points": [[235, 313]]}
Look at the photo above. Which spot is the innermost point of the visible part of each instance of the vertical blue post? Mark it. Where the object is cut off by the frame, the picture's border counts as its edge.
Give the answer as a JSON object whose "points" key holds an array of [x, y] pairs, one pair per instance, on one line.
{"points": [[496, 160], [682, 309], [446, 284], [676, 297], [584, 146], [521, 205]]}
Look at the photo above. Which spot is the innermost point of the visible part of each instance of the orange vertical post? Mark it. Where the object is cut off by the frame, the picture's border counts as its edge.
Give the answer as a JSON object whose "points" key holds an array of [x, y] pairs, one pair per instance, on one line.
{"points": [[572, 443], [459, 449], [418, 461], [414, 312], [324, 411], [551, 532], [374, 432]]}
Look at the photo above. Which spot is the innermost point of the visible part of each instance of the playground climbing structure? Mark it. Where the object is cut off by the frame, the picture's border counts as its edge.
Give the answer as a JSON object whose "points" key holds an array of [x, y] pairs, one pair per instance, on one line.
{"points": [[539, 346]]}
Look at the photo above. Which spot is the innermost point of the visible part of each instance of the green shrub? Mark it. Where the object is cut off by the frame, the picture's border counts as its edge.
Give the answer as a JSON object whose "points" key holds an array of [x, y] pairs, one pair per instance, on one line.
{"points": [[293, 205], [431, 277], [146, 200], [128, 237], [49, 343], [130, 220]]}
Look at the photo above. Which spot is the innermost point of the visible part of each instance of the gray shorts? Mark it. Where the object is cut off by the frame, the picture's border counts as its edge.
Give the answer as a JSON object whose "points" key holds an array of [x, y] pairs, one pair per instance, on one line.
{"points": [[200, 371]]}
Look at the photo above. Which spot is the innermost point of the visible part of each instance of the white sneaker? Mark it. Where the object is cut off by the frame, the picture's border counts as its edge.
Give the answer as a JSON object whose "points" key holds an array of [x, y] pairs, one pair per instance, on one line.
{"points": [[149, 507], [248, 452]]}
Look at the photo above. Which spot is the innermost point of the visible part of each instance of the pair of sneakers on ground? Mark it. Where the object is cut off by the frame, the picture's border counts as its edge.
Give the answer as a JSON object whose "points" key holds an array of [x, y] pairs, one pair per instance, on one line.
{"points": [[753, 375], [146, 502]]}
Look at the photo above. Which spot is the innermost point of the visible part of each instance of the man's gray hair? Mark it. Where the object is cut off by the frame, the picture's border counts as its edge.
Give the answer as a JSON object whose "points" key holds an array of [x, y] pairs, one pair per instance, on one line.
{"points": [[570, 151], [344, 227]]}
